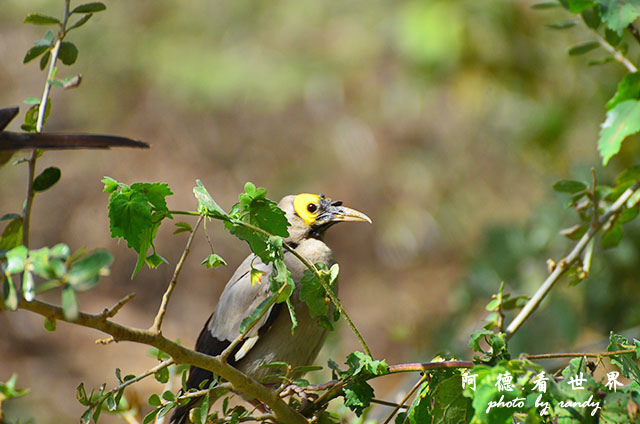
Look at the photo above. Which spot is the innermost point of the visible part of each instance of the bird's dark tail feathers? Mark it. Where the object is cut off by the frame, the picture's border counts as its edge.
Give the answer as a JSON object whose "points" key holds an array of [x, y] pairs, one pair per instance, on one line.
{"points": [[211, 346]]}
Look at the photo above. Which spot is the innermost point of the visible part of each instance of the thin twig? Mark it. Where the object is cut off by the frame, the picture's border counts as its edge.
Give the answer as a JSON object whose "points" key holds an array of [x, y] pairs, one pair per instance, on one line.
{"points": [[28, 204], [111, 312], [385, 403], [162, 310], [405, 398], [565, 263], [578, 355], [162, 365], [617, 54]]}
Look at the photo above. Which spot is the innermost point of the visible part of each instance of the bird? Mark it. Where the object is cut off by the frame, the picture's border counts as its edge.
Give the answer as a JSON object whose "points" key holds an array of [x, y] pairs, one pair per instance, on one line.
{"points": [[10, 142], [271, 339]]}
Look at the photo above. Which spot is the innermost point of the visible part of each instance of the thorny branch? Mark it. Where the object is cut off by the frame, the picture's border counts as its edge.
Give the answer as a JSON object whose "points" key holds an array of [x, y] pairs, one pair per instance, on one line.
{"points": [[566, 262]]}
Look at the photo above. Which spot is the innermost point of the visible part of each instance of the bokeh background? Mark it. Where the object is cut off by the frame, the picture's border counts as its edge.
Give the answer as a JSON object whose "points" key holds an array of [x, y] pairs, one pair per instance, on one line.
{"points": [[445, 121]]}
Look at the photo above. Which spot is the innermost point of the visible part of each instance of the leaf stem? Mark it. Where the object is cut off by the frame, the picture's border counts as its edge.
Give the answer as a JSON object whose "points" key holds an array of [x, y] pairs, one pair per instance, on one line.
{"points": [[578, 355], [617, 54]]}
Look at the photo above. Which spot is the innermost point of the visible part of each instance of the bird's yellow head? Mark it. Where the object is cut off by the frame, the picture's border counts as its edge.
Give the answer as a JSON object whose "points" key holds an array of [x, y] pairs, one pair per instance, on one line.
{"points": [[318, 210]]}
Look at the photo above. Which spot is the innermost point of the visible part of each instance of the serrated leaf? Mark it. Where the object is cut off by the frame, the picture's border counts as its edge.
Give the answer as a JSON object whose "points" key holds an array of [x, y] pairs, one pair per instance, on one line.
{"points": [[612, 237], [583, 48], [40, 19], [618, 14], [622, 121], [569, 186], [579, 6], [68, 53], [628, 89], [89, 8], [257, 313], [357, 396], [69, 304], [206, 202], [626, 362], [47, 179]]}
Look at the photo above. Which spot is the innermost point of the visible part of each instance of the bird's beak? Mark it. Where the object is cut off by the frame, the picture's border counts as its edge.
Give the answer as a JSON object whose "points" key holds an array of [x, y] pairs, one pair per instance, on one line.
{"points": [[342, 214]]}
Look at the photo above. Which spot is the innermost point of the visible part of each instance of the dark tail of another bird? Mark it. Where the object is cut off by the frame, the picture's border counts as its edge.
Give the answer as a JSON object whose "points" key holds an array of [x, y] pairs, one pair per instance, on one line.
{"points": [[211, 346]]}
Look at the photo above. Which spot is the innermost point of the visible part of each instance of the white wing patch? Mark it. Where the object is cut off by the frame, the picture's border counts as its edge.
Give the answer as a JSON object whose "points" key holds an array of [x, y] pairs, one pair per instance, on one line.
{"points": [[246, 347]]}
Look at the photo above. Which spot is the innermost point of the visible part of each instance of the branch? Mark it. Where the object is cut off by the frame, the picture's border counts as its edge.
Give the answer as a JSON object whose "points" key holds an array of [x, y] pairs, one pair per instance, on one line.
{"points": [[162, 310], [241, 382], [617, 54], [565, 263], [111, 312], [578, 355], [405, 398], [160, 366], [28, 205]]}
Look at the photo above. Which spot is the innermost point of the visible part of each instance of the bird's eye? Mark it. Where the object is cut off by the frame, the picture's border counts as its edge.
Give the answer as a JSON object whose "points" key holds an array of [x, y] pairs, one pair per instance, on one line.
{"points": [[312, 207]]}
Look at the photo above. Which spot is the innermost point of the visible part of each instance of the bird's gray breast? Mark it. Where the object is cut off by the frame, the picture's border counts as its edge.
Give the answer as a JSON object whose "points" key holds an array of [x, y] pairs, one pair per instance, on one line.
{"points": [[278, 343]]}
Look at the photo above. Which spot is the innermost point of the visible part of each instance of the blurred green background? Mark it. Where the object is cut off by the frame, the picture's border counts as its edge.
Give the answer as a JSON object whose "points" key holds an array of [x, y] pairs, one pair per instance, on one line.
{"points": [[445, 121]]}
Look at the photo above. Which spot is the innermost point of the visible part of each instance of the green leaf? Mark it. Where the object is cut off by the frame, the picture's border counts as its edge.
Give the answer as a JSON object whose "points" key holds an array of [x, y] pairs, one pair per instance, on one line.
{"points": [[34, 52], [591, 18], [162, 376], [154, 400], [10, 294], [627, 215], [154, 260], [69, 303], [80, 22], [150, 416], [569, 186], [40, 19], [168, 394], [28, 286], [89, 8], [68, 53], [562, 25], [85, 274], [46, 40], [357, 396], [44, 60], [206, 202], [583, 48], [213, 261], [623, 120], [12, 234], [579, 6], [626, 362], [16, 258], [183, 227], [618, 14], [46, 179], [50, 324], [612, 237], [628, 89], [449, 403], [257, 313], [546, 5]]}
